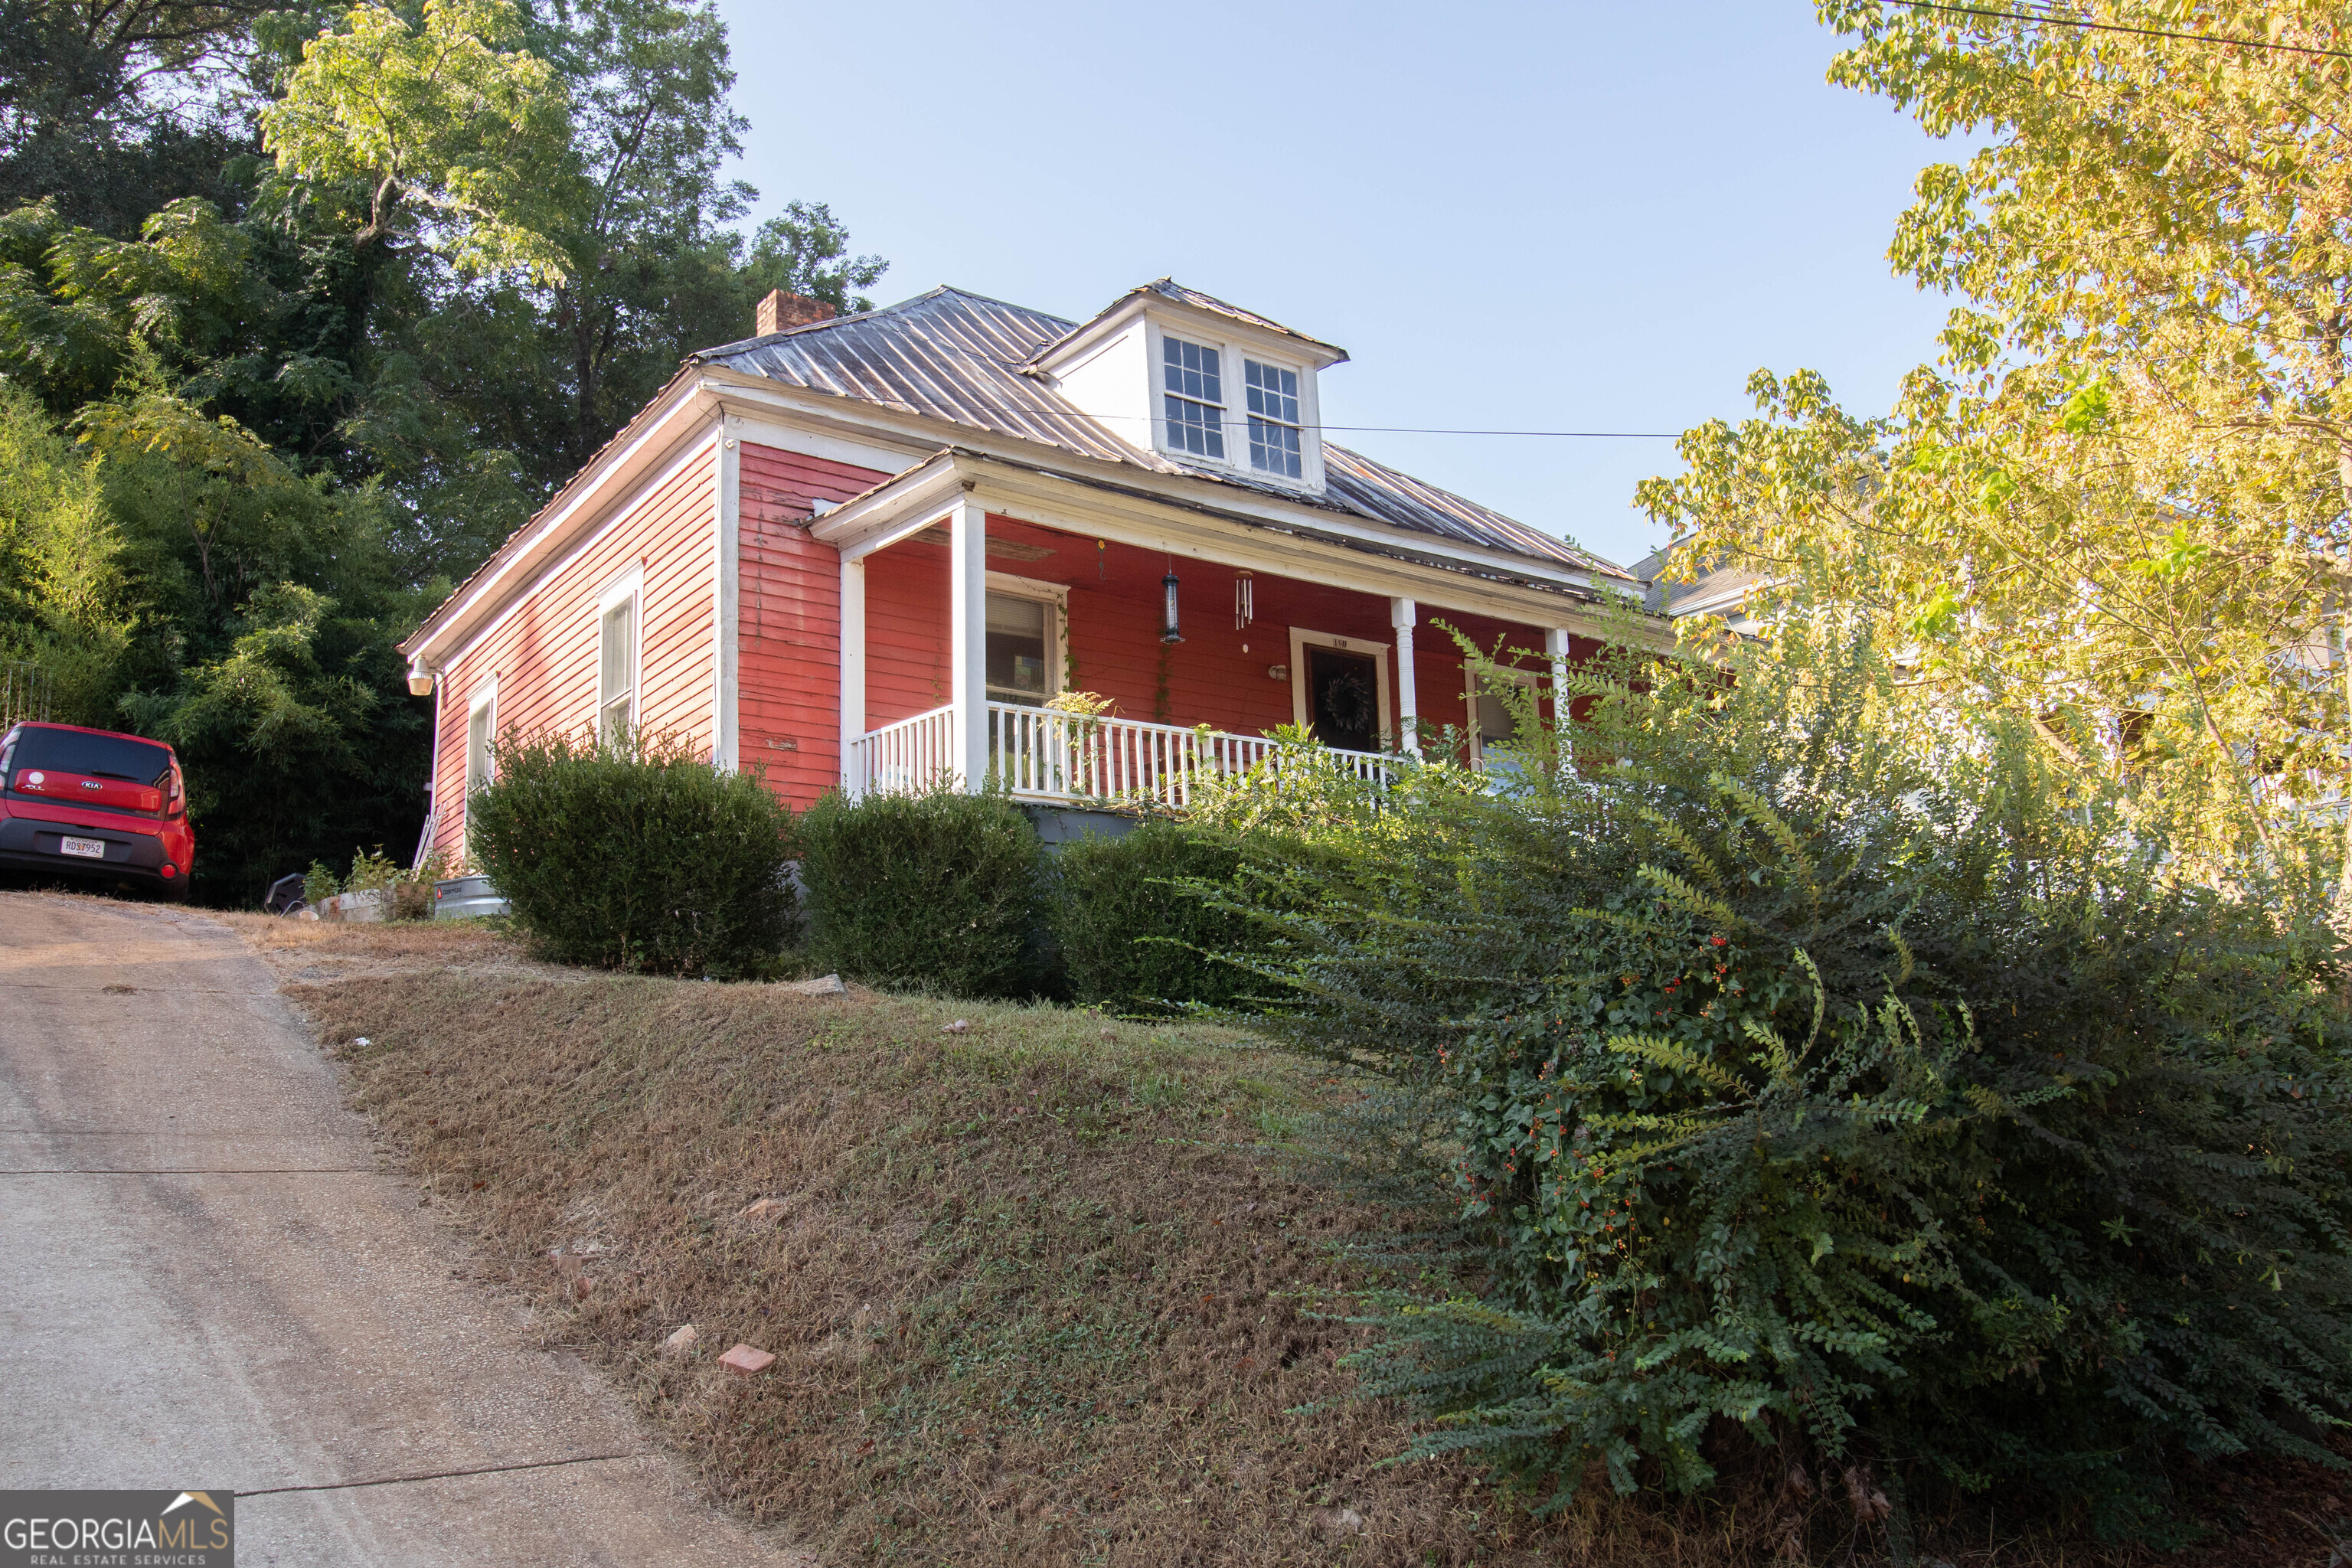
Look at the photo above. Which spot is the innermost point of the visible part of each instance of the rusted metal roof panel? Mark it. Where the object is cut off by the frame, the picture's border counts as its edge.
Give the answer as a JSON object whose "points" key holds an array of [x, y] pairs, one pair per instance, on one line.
{"points": [[946, 355], [1375, 489], [958, 357]]}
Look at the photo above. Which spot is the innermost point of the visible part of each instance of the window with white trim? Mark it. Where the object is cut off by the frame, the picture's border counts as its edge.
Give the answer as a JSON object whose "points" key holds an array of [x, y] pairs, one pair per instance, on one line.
{"points": [[1194, 393], [1274, 423], [1493, 723], [616, 664], [481, 720], [1024, 649]]}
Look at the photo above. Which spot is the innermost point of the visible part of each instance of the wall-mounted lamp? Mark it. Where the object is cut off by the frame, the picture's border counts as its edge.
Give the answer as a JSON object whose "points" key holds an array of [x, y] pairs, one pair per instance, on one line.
{"points": [[1277, 672], [1167, 632], [420, 681]]}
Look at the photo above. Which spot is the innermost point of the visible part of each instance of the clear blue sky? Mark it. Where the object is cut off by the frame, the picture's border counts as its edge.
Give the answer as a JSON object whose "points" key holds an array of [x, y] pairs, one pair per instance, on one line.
{"points": [[1556, 218]]}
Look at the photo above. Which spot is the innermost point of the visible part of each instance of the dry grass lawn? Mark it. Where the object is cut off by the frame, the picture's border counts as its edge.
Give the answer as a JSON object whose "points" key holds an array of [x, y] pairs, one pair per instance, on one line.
{"points": [[1037, 1291]]}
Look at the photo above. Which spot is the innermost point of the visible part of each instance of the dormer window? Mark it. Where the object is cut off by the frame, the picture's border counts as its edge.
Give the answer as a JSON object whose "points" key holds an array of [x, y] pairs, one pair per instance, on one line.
{"points": [[1182, 375], [1195, 399], [1273, 418]]}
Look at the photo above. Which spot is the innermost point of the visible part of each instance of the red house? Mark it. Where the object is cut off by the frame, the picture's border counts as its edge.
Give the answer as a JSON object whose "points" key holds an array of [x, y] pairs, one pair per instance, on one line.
{"points": [[872, 551]]}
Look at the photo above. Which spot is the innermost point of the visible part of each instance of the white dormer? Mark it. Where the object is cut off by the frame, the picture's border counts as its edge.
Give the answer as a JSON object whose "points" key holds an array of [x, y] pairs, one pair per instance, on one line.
{"points": [[1200, 381]]}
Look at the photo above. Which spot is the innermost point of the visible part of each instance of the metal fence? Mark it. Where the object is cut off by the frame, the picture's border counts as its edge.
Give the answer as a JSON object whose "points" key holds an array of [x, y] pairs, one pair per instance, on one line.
{"points": [[23, 692]]}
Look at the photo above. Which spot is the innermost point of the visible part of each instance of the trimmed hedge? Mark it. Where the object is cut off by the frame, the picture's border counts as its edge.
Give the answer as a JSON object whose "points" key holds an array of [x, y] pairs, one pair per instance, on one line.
{"points": [[636, 857], [944, 891], [1133, 940]]}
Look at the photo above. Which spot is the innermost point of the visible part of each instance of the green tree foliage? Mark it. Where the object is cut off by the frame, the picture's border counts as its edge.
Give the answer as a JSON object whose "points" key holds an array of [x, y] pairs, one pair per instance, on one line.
{"points": [[941, 891], [113, 107], [287, 740], [458, 133], [62, 602], [336, 295], [1803, 1071], [2116, 508], [636, 855]]}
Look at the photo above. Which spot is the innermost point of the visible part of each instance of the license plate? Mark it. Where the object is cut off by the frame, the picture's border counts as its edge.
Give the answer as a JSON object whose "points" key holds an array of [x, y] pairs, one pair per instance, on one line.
{"points": [[93, 849]]}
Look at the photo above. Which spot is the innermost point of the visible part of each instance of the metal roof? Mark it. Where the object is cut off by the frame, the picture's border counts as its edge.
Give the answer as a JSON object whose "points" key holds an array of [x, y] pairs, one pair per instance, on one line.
{"points": [[958, 357]]}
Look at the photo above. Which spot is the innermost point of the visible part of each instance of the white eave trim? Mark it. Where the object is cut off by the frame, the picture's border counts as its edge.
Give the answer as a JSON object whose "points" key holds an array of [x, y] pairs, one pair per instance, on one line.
{"points": [[1021, 491], [665, 429], [579, 505], [1151, 301]]}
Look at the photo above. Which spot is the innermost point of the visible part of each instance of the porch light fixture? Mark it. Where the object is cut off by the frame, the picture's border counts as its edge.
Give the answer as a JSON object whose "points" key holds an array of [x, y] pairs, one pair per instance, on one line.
{"points": [[1167, 632], [420, 681], [1245, 600]]}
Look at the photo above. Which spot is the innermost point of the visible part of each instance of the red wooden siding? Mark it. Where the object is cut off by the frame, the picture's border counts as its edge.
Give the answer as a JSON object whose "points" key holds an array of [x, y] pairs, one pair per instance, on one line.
{"points": [[1216, 676], [543, 652], [788, 702], [906, 654]]}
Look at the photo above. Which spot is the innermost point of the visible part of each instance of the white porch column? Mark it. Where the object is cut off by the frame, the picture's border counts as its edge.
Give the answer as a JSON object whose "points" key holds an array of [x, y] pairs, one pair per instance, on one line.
{"points": [[968, 632], [853, 675], [1555, 645], [1402, 612], [727, 624]]}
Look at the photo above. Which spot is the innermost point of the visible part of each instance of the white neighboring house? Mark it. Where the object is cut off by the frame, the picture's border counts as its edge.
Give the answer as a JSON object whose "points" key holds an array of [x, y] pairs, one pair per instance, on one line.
{"points": [[1722, 590]]}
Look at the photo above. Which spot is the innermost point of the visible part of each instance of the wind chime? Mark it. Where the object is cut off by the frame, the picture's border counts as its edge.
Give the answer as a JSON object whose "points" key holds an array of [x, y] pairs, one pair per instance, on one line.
{"points": [[1167, 632], [1245, 603]]}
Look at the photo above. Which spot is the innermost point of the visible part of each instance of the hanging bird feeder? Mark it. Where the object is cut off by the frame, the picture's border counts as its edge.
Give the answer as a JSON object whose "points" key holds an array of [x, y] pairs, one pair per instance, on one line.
{"points": [[1167, 632]]}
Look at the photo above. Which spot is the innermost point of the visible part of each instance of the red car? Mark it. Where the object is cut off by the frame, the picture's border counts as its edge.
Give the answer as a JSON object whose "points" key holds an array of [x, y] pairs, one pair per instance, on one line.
{"points": [[92, 803]]}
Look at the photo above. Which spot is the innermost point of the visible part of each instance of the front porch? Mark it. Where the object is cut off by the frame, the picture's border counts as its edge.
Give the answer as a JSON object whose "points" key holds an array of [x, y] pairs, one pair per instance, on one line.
{"points": [[968, 618], [1045, 755]]}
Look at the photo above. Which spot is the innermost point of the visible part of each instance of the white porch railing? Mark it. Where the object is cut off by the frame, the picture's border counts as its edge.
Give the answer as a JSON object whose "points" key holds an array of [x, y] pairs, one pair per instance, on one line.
{"points": [[1038, 754], [912, 755]]}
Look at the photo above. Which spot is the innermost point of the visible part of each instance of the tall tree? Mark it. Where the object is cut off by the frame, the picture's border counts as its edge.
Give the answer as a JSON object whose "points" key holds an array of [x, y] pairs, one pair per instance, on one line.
{"points": [[457, 132], [264, 422], [2118, 504], [111, 108]]}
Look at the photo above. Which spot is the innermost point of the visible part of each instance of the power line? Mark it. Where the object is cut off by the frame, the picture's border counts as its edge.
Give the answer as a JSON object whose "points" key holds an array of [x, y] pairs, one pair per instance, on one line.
{"points": [[1381, 429], [2086, 24]]}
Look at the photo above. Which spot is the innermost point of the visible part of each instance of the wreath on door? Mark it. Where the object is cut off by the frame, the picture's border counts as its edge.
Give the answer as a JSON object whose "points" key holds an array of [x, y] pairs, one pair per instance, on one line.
{"points": [[1347, 703]]}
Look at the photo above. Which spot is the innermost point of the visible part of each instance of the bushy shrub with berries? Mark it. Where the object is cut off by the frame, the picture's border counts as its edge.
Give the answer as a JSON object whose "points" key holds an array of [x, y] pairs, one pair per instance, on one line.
{"points": [[1796, 1075]]}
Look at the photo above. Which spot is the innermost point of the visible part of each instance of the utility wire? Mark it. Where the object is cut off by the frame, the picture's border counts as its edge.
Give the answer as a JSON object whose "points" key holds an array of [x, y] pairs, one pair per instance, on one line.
{"points": [[2053, 20], [1238, 423]]}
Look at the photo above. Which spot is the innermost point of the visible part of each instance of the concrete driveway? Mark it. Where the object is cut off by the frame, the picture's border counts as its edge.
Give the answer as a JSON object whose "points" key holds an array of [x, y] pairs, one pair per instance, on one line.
{"points": [[209, 1278]]}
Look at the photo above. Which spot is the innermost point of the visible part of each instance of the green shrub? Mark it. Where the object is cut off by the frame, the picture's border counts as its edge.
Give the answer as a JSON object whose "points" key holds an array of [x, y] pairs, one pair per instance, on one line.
{"points": [[1801, 1069], [634, 856], [941, 891], [1132, 937]]}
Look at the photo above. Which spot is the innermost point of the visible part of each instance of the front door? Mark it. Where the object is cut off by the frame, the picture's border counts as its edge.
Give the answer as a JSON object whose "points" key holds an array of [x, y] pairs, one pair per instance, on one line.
{"points": [[1343, 699]]}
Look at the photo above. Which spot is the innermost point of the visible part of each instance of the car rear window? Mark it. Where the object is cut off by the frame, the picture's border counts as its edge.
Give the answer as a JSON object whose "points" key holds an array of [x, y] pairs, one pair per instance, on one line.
{"points": [[96, 756]]}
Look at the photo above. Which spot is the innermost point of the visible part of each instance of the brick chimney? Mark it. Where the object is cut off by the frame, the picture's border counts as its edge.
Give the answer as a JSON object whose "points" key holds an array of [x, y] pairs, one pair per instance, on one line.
{"points": [[780, 312]]}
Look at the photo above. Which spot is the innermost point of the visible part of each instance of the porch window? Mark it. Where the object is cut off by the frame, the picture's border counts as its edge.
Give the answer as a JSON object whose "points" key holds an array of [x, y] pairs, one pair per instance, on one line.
{"points": [[1022, 640], [1492, 722], [1273, 418], [1195, 398], [616, 660]]}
